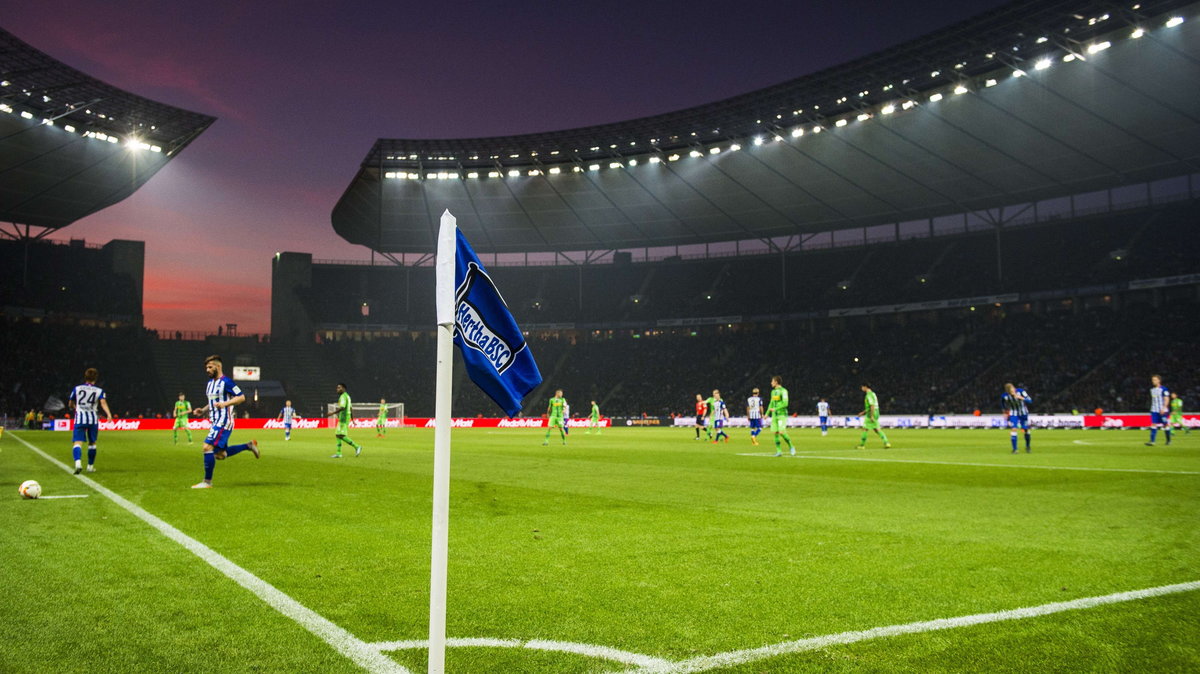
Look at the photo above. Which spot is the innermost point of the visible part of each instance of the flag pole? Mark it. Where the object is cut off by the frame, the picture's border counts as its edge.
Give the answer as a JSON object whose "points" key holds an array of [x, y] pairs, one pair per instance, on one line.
{"points": [[447, 243]]}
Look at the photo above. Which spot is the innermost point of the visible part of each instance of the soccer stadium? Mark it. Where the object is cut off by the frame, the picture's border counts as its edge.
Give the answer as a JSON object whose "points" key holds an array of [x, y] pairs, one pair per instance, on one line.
{"points": [[888, 367]]}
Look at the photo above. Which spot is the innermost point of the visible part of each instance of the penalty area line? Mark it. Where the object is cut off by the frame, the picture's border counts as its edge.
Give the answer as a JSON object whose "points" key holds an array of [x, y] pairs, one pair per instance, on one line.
{"points": [[345, 643], [731, 658]]}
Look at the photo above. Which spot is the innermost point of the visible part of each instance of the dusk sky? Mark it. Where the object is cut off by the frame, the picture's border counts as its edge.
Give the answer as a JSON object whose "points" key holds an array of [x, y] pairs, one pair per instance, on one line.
{"points": [[302, 90]]}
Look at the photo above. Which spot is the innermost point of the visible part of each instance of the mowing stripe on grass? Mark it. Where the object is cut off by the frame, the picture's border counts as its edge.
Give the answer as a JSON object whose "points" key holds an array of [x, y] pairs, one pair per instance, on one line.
{"points": [[345, 643], [983, 465], [588, 650], [731, 658]]}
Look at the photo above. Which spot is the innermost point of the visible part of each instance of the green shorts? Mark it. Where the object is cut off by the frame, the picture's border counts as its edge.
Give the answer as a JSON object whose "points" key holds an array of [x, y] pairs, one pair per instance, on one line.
{"points": [[779, 424], [871, 423], [343, 428], [556, 421], [180, 422], [1176, 419]]}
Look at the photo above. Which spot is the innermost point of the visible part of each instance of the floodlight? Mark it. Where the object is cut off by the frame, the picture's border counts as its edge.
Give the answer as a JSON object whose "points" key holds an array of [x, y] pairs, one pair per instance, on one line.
{"points": [[695, 153], [735, 147], [615, 164], [26, 114], [514, 173], [69, 128], [1137, 32], [473, 175], [862, 117], [888, 109], [758, 140], [493, 174], [1174, 21], [841, 122], [1099, 47], [990, 83], [673, 157], [935, 98], [1042, 64], [655, 160], [714, 150], [907, 105], [797, 132], [554, 170], [534, 173], [960, 90], [593, 167], [633, 162]]}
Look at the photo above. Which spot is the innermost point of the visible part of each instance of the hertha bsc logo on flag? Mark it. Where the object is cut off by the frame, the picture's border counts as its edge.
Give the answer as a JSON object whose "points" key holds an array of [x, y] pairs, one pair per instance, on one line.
{"points": [[474, 330]]}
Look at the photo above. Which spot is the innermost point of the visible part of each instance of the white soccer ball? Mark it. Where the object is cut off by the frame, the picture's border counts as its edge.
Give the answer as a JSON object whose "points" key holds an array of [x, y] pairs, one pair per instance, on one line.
{"points": [[30, 489]]}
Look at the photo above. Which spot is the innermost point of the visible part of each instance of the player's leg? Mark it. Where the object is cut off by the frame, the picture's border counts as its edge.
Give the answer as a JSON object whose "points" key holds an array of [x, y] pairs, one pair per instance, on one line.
{"points": [[188, 431], [237, 449], [77, 448], [1155, 422], [562, 430], [345, 437], [549, 427], [175, 433], [883, 436], [1028, 437], [93, 434], [339, 435], [212, 443], [1012, 433]]}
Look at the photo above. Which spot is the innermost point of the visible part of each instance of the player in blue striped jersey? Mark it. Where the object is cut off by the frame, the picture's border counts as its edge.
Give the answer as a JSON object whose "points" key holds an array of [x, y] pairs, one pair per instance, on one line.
{"points": [[823, 415], [285, 415], [1160, 401], [222, 395], [718, 413], [1015, 402], [85, 398], [754, 412]]}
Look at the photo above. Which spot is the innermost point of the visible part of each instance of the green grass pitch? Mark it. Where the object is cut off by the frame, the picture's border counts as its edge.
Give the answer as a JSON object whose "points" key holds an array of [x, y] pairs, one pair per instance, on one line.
{"points": [[641, 540]]}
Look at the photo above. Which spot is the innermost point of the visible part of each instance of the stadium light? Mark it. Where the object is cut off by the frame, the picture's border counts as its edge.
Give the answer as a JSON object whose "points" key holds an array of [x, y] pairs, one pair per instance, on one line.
{"points": [[841, 122], [391, 175], [577, 169], [1137, 32], [514, 173], [935, 98], [4, 83], [907, 105], [414, 176], [4, 107], [862, 117], [1018, 73], [816, 129], [1174, 21], [473, 175], [614, 165], [735, 147], [714, 150], [493, 174], [797, 132], [888, 109], [1068, 57], [593, 167], [990, 83], [960, 90], [695, 153], [554, 170], [655, 160], [533, 173], [758, 140], [633, 162], [673, 157], [69, 128], [431, 176], [25, 114], [1042, 64], [1099, 47], [155, 148]]}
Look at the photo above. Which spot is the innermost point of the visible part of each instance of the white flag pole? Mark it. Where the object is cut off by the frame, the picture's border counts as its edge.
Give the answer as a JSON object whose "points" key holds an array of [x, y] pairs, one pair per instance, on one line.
{"points": [[447, 246]]}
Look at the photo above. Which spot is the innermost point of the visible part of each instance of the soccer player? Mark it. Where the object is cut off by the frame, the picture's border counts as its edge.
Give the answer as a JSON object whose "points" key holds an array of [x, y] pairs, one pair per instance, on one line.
{"points": [[718, 413], [554, 414], [343, 412], [777, 409], [594, 419], [183, 409], [754, 411], [566, 418], [870, 417], [285, 415], [222, 395], [381, 422], [1015, 402], [701, 412], [823, 415], [1176, 419], [1160, 398], [85, 398]]}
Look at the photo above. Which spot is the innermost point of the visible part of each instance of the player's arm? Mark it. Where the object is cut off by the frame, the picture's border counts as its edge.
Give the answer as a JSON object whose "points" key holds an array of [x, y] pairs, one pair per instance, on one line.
{"points": [[236, 400], [104, 404]]}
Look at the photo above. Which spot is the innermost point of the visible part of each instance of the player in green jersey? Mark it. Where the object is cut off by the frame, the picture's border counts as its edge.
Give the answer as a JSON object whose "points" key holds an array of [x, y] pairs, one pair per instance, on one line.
{"points": [[381, 422], [777, 409], [870, 417], [554, 413], [183, 409], [343, 412], [1175, 421], [594, 419]]}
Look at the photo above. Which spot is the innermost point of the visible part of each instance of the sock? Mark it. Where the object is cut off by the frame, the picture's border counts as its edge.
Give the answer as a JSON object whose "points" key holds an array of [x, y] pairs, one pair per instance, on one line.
{"points": [[339, 446], [1153, 433], [189, 433], [883, 436], [1028, 439], [230, 451], [210, 462], [287, 435], [547, 438], [562, 433], [91, 454], [863, 440], [776, 441], [1013, 437], [789, 440], [697, 433], [76, 452], [1168, 433], [175, 436], [350, 442]]}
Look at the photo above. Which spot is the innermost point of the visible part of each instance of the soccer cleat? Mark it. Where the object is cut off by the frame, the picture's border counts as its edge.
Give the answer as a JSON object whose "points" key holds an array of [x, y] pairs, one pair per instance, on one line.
{"points": [[778, 453], [254, 448], [91, 469], [793, 451], [78, 470], [1149, 444], [755, 441], [545, 443], [860, 446], [358, 450], [202, 485], [336, 456], [887, 445]]}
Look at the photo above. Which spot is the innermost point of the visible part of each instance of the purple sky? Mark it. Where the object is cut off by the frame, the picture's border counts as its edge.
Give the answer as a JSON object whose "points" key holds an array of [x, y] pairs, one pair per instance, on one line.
{"points": [[302, 90]]}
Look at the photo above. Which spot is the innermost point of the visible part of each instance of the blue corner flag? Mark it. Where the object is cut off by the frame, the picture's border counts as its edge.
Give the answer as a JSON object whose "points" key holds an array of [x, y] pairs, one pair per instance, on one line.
{"points": [[498, 359]]}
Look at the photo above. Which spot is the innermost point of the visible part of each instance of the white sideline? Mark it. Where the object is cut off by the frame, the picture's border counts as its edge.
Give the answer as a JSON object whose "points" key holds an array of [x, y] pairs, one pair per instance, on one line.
{"points": [[982, 465], [588, 650], [731, 658], [42, 498], [345, 643]]}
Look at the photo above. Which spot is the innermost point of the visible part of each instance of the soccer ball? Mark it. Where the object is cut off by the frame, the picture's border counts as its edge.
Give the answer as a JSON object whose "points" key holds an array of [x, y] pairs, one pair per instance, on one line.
{"points": [[30, 489]]}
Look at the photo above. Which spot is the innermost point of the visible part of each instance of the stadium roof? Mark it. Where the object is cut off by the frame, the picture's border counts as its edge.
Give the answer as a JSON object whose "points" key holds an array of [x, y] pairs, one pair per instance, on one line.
{"points": [[71, 145], [1033, 100]]}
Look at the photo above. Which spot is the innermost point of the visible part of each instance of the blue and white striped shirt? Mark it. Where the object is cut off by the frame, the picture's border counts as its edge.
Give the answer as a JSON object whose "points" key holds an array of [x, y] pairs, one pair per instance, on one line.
{"points": [[287, 413], [754, 407], [822, 409], [87, 399], [1016, 405], [1159, 399], [219, 391]]}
